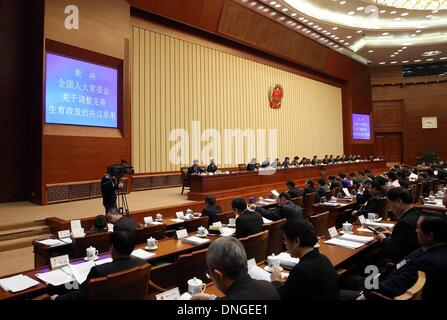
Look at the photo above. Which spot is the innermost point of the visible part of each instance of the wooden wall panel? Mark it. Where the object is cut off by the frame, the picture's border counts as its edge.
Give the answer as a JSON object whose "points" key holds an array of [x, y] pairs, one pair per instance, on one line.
{"points": [[419, 100], [222, 91], [388, 116], [20, 98]]}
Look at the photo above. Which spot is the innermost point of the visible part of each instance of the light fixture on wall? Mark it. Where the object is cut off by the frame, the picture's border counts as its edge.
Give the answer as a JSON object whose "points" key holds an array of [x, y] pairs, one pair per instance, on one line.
{"points": [[414, 4]]}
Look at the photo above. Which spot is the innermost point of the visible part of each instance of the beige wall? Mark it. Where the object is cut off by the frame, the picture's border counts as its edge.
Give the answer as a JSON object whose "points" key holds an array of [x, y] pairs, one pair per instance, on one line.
{"points": [[176, 81]]}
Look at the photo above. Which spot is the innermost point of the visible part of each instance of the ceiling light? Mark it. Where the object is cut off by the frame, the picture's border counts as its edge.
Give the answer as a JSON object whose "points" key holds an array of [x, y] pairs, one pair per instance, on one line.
{"points": [[417, 60], [383, 62], [334, 28], [431, 53], [405, 61], [361, 8], [414, 4], [443, 58], [351, 13], [393, 62], [371, 51]]}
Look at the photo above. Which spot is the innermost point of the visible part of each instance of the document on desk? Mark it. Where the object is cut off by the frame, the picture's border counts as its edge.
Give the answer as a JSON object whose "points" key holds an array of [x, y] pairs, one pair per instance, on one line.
{"points": [[142, 254], [379, 224], [51, 242], [178, 220], [258, 273], [266, 221], [80, 271], [356, 238], [17, 283], [286, 260], [55, 277], [195, 240], [227, 232], [67, 240], [344, 243]]}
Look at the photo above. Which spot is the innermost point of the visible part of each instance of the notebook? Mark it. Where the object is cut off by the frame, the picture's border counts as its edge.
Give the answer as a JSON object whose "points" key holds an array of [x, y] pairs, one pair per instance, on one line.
{"points": [[195, 240], [142, 254], [17, 283], [344, 243]]}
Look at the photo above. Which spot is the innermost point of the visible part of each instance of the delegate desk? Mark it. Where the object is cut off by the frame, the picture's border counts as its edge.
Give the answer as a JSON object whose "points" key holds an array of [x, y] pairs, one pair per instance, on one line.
{"points": [[242, 182], [338, 256], [335, 210]]}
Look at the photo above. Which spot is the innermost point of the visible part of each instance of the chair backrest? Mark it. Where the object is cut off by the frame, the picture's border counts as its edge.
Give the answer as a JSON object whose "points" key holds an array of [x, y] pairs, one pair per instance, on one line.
{"points": [[256, 246], [274, 243], [319, 221], [193, 224], [242, 167], [131, 284], [185, 178], [383, 208], [99, 240], [418, 195], [415, 292], [225, 217], [154, 231], [329, 194], [309, 200], [298, 201], [435, 185]]}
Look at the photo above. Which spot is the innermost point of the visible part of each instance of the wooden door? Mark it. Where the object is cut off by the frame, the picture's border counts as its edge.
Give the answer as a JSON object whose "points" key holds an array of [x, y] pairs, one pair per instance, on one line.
{"points": [[389, 146]]}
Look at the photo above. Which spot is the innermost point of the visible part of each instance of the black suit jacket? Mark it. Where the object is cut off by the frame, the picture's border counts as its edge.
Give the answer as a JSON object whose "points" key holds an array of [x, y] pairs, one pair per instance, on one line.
{"points": [[285, 164], [335, 184], [248, 223], [311, 190], [433, 262], [312, 278], [211, 168], [195, 170], [287, 211], [251, 167], [125, 224], [372, 205], [404, 238], [108, 187], [295, 193], [103, 270], [362, 198], [212, 211], [247, 288]]}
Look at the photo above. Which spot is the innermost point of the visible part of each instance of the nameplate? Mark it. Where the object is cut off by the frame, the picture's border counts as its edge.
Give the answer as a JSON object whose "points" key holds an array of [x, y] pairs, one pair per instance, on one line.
{"points": [[110, 227], [179, 214], [173, 294], [64, 234], [182, 233], [362, 219], [333, 232], [148, 220], [218, 224], [75, 225], [275, 193], [78, 233], [59, 261]]}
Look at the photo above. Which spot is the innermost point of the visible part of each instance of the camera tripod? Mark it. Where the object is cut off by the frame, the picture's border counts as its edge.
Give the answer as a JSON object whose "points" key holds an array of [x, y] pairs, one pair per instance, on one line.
{"points": [[121, 200]]}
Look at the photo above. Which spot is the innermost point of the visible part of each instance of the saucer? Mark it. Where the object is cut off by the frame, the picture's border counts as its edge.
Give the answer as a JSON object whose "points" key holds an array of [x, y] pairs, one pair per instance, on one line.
{"points": [[151, 248], [269, 269], [159, 220], [231, 225], [94, 259], [202, 235]]}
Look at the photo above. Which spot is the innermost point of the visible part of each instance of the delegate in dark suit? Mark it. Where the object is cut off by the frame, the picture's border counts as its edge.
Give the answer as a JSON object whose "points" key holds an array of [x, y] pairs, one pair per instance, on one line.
{"points": [[362, 198], [103, 270], [247, 288], [248, 223], [125, 224], [403, 239], [312, 190], [211, 168], [372, 205], [195, 170], [313, 278], [433, 262], [251, 167], [287, 211], [295, 193], [212, 211]]}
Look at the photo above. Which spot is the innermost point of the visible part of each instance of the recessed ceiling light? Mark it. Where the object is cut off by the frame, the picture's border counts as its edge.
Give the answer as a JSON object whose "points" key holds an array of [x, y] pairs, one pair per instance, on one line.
{"points": [[371, 51], [359, 31], [347, 43], [431, 59], [397, 19], [443, 58], [385, 33], [393, 12], [342, 2], [404, 14], [383, 62], [418, 31], [429, 16], [417, 60], [382, 11], [393, 62], [360, 8], [431, 53], [334, 28], [348, 37], [392, 56], [285, 10], [404, 48], [293, 14], [351, 13], [405, 61]]}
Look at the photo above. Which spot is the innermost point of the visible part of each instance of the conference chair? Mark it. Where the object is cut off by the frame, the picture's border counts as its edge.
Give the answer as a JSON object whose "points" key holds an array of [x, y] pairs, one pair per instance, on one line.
{"points": [[256, 246], [309, 200], [177, 274], [413, 293], [319, 221], [329, 194], [418, 195], [383, 208], [225, 217], [154, 231], [274, 243], [242, 167], [100, 241], [193, 224], [435, 186], [132, 284], [298, 201], [185, 179]]}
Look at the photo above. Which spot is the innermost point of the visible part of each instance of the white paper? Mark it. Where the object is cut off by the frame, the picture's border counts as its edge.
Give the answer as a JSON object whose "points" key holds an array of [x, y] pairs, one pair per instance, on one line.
{"points": [[195, 240], [67, 240], [218, 224], [51, 242], [103, 261], [75, 225], [379, 224], [80, 271], [155, 223], [346, 192], [177, 220], [186, 295], [356, 238], [364, 230], [258, 273], [148, 220], [227, 232], [275, 193], [173, 294], [266, 221], [270, 200], [140, 253], [331, 204], [286, 260], [344, 243], [17, 283], [55, 277]]}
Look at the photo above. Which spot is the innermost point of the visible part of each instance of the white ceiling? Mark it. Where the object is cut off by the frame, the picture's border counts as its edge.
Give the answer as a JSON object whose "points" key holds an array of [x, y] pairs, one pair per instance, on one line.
{"points": [[368, 32]]}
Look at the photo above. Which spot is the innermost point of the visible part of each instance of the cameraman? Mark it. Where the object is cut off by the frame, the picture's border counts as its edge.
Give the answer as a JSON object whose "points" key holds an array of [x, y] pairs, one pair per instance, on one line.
{"points": [[108, 187]]}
